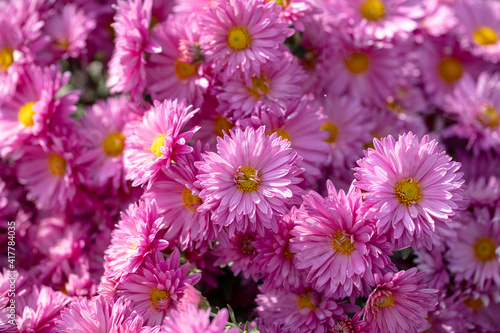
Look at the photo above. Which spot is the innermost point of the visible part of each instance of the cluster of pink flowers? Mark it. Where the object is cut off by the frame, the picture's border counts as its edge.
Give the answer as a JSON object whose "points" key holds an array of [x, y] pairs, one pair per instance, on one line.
{"points": [[250, 165]]}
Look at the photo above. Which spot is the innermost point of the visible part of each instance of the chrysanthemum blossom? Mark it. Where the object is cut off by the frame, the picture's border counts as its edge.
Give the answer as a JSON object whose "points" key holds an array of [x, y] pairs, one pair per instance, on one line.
{"points": [[156, 142], [241, 35], [474, 257], [194, 320], [336, 247], [127, 71], [99, 315], [249, 181], [412, 189], [351, 325], [137, 235], [157, 287], [295, 12], [400, 303]]}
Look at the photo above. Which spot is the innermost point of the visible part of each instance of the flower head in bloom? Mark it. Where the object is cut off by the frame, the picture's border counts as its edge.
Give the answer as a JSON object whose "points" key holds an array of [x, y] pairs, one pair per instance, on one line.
{"points": [[157, 287], [296, 12], [476, 107], [194, 320], [241, 35], [479, 27], [249, 181], [412, 188], [137, 235], [400, 303], [156, 142], [351, 325], [99, 315], [127, 71], [474, 256], [335, 246]]}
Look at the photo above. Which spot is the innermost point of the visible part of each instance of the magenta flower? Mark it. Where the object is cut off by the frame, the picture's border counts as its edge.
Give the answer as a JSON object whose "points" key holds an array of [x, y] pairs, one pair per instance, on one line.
{"points": [[336, 247], [241, 35], [157, 141], [412, 189], [400, 303], [249, 181], [157, 288], [351, 325], [138, 234], [194, 320]]}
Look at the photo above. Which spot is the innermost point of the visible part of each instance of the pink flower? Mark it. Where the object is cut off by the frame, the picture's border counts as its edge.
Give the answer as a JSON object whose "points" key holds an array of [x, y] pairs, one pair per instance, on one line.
{"points": [[157, 288], [249, 181], [412, 188], [194, 320], [400, 303]]}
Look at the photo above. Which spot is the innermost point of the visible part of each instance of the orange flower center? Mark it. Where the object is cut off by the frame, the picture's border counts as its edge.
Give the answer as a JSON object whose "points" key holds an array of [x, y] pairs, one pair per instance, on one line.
{"points": [[489, 117], [386, 301], [158, 295], [282, 133], [192, 202], [450, 69], [247, 179], [484, 249], [332, 129], [114, 144], [222, 125], [57, 164], [372, 10], [358, 62], [260, 86], [184, 70]]}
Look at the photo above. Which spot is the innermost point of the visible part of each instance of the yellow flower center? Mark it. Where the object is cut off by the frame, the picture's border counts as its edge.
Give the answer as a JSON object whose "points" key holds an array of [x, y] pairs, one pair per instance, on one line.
{"points": [[408, 191], [282, 133], [332, 129], [386, 301], [485, 36], [113, 144], [6, 58], [484, 249], [450, 69], [57, 164], [247, 179], [260, 86], [157, 144], [222, 125], [63, 42], [342, 243], [238, 38], [357, 63], [474, 303], [26, 114], [184, 70], [306, 302], [158, 295], [489, 117], [192, 202], [372, 10]]}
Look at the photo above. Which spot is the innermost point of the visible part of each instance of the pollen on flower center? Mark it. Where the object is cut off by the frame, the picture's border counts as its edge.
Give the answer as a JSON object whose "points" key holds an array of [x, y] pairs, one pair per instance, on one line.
{"points": [[306, 302], [489, 117], [63, 42], [485, 36], [342, 243], [238, 38], [6, 58], [332, 129], [288, 254], [282, 133], [157, 296], [222, 125], [408, 191], [184, 70], [26, 114], [357, 63], [57, 164], [260, 86], [372, 10], [192, 202], [450, 69], [247, 179], [474, 303], [386, 301], [484, 249], [157, 144], [114, 144]]}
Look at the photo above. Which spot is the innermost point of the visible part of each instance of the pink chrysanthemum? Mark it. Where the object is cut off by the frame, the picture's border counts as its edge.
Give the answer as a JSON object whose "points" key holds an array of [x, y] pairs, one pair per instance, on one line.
{"points": [[137, 235], [157, 288], [412, 189], [336, 247], [127, 71], [156, 142], [274, 87], [296, 12], [476, 107], [381, 19], [249, 181], [99, 315], [400, 303], [479, 27], [351, 325], [241, 35], [474, 255], [302, 311], [194, 320], [433, 264], [439, 17], [104, 142], [169, 75]]}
